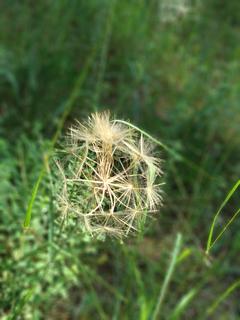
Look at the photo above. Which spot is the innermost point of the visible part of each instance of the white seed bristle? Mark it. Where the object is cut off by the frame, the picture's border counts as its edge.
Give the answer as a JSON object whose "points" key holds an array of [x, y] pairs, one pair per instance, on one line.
{"points": [[109, 177]]}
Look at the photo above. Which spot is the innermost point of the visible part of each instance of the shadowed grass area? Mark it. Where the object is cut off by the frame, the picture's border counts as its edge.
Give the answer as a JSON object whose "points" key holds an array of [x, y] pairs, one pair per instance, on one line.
{"points": [[171, 68]]}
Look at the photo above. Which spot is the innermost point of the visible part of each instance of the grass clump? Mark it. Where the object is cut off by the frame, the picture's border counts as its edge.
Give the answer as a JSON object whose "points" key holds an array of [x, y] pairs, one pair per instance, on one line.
{"points": [[173, 70]]}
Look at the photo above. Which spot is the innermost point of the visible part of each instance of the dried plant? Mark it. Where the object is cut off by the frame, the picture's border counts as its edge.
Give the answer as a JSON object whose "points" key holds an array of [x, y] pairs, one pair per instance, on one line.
{"points": [[108, 177]]}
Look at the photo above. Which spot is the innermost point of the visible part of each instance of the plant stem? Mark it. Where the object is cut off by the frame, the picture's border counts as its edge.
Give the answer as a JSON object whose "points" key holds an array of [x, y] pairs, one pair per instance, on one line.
{"points": [[175, 154], [168, 276]]}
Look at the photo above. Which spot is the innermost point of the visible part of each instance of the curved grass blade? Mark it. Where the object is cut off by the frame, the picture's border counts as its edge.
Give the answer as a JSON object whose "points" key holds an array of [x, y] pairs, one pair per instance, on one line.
{"points": [[28, 214], [223, 296], [67, 109], [168, 277], [171, 151], [183, 303], [211, 242], [104, 53]]}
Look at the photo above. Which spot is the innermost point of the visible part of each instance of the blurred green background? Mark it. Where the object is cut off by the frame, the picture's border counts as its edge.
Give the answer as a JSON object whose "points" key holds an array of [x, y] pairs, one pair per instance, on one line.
{"points": [[170, 67]]}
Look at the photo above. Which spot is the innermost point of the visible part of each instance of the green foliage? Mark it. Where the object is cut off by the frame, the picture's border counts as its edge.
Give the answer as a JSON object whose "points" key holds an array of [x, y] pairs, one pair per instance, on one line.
{"points": [[174, 72]]}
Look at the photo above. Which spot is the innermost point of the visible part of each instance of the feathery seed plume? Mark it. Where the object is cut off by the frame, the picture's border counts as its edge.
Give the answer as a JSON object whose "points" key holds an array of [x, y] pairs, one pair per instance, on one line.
{"points": [[109, 177]]}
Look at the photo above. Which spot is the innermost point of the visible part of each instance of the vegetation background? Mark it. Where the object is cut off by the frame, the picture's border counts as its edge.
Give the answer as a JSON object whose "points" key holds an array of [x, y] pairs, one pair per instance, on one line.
{"points": [[170, 67]]}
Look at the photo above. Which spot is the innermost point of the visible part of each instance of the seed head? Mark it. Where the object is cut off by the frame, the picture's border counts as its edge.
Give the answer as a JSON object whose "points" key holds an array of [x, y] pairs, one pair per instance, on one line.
{"points": [[109, 177]]}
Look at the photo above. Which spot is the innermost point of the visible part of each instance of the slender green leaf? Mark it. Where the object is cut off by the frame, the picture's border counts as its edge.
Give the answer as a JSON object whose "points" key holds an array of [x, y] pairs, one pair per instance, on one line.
{"points": [[183, 303], [223, 296], [211, 242], [168, 277], [28, 214], [67, 109], [171, 151]]}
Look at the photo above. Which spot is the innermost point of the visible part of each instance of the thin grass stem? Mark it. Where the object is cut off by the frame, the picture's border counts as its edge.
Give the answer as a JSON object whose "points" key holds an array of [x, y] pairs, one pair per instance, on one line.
{"points": [[223, 296], [171, 151], [168, 277], [210, 242], [68, 107]]}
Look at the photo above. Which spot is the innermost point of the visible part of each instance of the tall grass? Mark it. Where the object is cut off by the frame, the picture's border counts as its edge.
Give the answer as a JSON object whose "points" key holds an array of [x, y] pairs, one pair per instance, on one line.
{"points": [[169, 273], [210, 242], [67, 109], [176, 79]]}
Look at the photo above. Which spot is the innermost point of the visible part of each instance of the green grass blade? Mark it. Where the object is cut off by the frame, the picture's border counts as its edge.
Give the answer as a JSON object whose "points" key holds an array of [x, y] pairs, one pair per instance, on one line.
{"points": [[19, 307], [67, 109], [223, 296], [210, 242], [74, 94], [183, 303], [171, 151], [103, 55], [184, 254], [168, 277], [225, 227], [28, 214]]}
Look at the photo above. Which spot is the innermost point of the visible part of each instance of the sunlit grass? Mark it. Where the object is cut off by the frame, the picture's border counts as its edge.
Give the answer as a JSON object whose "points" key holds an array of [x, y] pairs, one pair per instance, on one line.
{"points": [[178, 80]]}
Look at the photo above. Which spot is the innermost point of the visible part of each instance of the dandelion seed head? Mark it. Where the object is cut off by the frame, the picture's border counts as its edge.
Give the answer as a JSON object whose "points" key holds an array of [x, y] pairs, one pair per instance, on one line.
{"points": [[108, 177]]}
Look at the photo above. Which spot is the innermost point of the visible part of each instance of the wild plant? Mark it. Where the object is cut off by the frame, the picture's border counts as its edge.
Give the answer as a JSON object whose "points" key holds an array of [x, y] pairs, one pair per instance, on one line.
{"points": [[109, 175]]}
